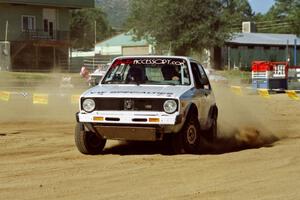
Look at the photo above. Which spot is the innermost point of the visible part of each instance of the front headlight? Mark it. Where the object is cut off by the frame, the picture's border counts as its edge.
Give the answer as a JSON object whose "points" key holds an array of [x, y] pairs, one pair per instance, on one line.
{"points": [[170, 106], [88, 105]]}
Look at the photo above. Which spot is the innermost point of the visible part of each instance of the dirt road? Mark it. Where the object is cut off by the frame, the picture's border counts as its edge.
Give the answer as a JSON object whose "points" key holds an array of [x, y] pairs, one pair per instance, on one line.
{"points": [[257, 156]]}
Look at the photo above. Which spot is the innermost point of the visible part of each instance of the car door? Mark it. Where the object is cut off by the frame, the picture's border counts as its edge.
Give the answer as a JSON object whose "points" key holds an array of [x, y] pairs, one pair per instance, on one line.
{"points": [[199, 94], [209, 98]]}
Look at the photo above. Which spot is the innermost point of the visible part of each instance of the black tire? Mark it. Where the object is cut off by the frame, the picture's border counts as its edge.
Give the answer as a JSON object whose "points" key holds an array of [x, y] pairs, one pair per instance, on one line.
{"points": [[212, 132], [189, 139], [88, 142]]}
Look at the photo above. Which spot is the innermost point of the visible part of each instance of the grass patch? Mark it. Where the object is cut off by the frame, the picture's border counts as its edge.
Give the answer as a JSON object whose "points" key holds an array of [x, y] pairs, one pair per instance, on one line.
{"points": [[32, 79], [236, 76], [24, 76]]}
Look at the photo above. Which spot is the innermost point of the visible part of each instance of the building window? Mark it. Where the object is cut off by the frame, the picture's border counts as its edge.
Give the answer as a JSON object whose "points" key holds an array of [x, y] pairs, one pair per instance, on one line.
{"points": [[28, 23]]}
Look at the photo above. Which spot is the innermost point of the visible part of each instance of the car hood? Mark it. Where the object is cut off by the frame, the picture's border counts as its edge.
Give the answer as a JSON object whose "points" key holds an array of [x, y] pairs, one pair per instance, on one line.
{"points": [[136, 91]]}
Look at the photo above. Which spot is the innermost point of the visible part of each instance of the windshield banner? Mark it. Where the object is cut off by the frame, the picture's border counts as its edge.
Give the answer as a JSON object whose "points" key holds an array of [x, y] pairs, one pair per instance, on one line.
{"points": [[150, 61]]}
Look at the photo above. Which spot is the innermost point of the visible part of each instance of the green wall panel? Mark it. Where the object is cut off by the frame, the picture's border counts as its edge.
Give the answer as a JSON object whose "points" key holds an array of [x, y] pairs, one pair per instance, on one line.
{"points": [[243, 56]]}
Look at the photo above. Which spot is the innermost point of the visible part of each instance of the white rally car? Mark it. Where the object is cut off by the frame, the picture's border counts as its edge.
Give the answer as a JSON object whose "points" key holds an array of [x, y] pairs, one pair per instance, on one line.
{"points": [[148, 98]]}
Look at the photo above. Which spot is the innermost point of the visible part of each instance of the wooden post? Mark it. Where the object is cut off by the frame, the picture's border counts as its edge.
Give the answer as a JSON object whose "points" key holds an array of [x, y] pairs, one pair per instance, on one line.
{"points": [[36, 57], [6, 31], [228, 58], [69, 59], [54, 58]]}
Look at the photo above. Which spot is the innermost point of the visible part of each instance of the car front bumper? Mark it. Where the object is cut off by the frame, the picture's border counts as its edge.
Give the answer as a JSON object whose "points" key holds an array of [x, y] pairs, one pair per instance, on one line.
{"points": [[127, 117], [135, 126]]}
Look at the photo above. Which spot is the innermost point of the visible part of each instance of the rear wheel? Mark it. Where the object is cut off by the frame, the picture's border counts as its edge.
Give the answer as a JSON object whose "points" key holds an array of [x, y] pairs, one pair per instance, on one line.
{"points": [[88, 142], [189, 139]]}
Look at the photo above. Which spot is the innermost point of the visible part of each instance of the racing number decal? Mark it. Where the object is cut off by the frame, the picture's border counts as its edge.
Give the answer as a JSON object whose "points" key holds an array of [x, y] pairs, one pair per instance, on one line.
{"points": [[279, 71]]}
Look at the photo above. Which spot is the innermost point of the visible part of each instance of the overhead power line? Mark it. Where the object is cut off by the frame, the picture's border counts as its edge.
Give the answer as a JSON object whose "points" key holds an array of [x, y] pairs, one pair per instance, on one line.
{"points": [[264, 22]]}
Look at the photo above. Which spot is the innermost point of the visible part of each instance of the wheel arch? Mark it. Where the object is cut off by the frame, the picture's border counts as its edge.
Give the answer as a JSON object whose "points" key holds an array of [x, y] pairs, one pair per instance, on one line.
{"points": [[214, 111], [191, 108]]}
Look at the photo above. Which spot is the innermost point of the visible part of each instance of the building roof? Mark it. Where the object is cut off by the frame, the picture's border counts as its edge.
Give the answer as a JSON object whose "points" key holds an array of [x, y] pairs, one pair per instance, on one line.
{"points": [[124, 39], [263, 39]]}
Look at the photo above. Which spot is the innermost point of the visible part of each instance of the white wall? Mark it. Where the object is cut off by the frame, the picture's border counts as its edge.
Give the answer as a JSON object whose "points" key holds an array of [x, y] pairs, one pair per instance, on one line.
{"points": [[108, 50], [129, 51]]}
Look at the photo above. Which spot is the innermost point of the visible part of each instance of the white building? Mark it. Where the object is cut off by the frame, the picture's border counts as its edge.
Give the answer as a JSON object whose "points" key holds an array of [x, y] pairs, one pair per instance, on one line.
{"points": [[124, 44]]}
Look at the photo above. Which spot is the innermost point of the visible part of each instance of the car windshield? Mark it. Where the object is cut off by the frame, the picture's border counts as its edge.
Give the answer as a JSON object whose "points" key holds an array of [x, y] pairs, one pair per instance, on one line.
{"points": [[150, 71]]}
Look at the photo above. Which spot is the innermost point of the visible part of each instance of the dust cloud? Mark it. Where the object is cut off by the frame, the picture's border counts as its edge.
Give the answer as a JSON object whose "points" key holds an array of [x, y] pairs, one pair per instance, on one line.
{"points": [[245, 121], [59, 107]]}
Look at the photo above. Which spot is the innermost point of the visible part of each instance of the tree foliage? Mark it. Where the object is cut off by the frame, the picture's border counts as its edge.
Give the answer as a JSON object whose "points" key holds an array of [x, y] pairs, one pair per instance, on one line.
{"points": [[116, 11], [236, 12], [283, 17], [83, 27], [187, 25]]}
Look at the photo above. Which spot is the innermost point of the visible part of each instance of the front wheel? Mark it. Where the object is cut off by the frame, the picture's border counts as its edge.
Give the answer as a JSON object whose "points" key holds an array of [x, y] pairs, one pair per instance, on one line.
{"points": [[189, 139], [88, 142]]}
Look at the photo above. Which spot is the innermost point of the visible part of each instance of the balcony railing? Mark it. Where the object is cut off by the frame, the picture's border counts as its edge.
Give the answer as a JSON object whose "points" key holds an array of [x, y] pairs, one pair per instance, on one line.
{"points": [[42, 35]]}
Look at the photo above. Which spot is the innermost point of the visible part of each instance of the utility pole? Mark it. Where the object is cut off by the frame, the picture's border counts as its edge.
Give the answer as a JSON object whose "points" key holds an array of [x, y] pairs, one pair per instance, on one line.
{"points": [[95, 41], [287, 52], [170, 49], [6, 46], [295, 52]]}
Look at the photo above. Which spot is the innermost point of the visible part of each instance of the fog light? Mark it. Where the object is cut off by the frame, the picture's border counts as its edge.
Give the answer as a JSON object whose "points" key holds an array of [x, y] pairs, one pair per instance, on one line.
{"points": [[154, 120], [98, 118]]}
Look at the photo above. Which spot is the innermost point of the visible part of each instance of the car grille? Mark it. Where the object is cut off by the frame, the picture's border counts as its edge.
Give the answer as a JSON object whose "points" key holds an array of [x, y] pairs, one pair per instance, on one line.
{"points": [[137, 104]]}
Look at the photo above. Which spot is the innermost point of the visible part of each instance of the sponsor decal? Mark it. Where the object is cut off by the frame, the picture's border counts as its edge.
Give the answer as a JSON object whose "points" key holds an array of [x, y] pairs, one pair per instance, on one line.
{"points": [[135, 92], [99, 93], [149, 61], [122, 61], [158, 61], [279, 71], [169, 94]]}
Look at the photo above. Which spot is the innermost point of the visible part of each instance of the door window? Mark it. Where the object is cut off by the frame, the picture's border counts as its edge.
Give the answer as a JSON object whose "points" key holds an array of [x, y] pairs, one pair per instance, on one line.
{"points": [[201, 80], [196, 75], [204, 79]]}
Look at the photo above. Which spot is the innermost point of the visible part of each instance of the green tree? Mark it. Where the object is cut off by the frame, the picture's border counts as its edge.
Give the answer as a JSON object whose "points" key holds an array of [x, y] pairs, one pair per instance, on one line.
{"points": [[283, 17], [83, 27], [294, 18], [183, 25], [189, 25], [237, 11]]}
